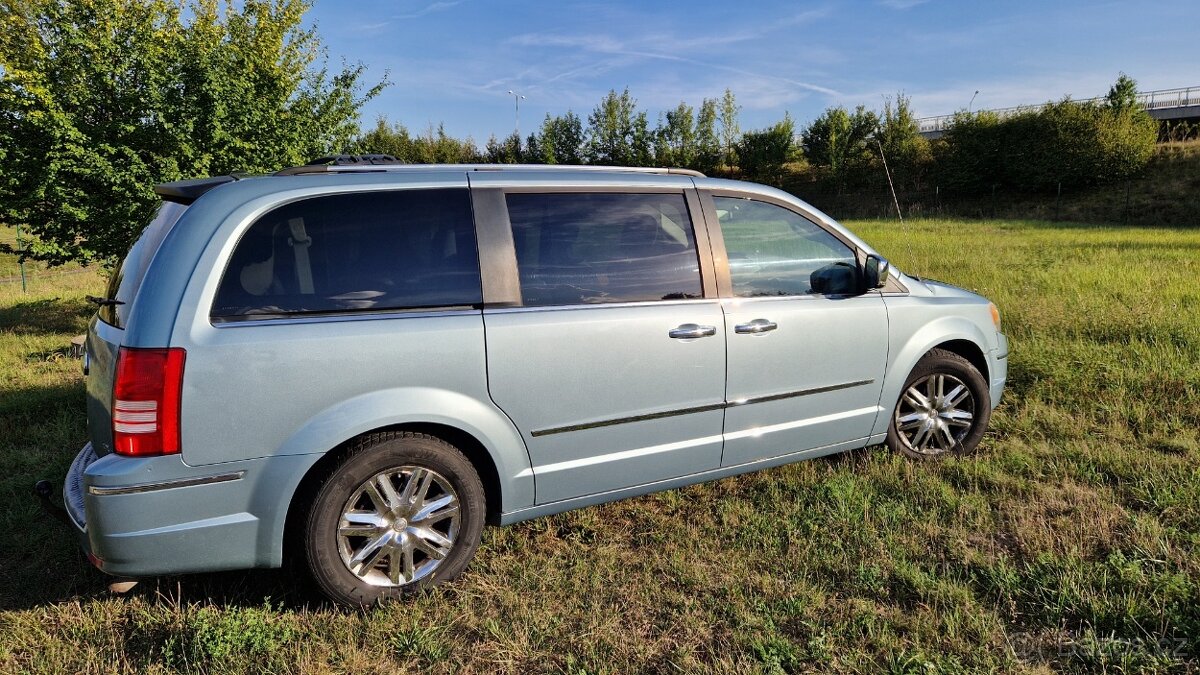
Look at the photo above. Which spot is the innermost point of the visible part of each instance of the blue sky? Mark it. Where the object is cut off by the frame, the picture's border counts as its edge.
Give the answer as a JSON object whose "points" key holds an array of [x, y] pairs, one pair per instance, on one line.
{"points": [[452, 61]]}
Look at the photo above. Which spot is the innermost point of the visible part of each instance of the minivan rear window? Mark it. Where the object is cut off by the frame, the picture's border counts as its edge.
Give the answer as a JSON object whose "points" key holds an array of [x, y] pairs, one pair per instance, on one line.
{"points": [[366, 251], [125, 281]]}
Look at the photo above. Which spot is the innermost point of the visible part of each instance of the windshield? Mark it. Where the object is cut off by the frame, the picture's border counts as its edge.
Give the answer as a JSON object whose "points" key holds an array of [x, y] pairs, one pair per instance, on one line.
{"points": [[126, 280]]}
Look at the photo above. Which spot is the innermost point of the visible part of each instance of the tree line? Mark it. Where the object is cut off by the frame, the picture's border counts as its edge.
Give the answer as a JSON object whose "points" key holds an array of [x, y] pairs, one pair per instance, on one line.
{"points": [[1063, 143], [102, 99]]}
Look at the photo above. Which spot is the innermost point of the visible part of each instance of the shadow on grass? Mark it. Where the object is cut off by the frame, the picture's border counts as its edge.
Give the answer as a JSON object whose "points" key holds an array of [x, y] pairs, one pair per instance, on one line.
{"points": [[54, 315], [41, 561]]}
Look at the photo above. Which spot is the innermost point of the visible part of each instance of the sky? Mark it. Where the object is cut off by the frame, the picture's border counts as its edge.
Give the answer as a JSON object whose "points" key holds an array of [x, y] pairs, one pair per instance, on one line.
{"points": [[453, 61]]}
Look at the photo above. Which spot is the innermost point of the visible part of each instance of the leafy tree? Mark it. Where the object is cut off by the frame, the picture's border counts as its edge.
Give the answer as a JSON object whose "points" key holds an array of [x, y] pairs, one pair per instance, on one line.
{"points": [[839, 142], [675, 138], [727, 112], [507, 151], [968, 154], [907, 151], [432, 147], [102, 99], [618, 134], [559, 141], [1123, 94], [708, 145], [762, 154]]}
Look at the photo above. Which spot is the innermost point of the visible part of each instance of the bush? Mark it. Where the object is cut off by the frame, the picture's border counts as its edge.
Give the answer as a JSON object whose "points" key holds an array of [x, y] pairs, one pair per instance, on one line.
{"points": [[1066, 143], [762, 154]]}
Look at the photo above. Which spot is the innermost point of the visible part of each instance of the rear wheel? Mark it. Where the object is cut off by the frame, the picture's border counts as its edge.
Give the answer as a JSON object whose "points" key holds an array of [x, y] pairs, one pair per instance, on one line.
{"points": [[400, 512], [944, 408]]}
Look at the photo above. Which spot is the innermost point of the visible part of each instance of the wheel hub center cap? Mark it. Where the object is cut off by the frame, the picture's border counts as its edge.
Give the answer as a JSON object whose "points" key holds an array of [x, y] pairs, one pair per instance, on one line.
{"points": [[399, 524]]}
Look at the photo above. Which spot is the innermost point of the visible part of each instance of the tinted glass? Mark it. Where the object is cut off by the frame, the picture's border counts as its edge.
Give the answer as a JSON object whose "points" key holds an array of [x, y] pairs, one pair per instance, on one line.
{"points": [[367, 251], [595, 248], [775, 251], [123, 285]]}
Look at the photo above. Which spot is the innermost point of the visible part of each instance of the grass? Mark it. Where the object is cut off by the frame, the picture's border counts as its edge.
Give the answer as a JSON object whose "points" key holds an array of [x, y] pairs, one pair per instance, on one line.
{"points": [[1069, 541]]}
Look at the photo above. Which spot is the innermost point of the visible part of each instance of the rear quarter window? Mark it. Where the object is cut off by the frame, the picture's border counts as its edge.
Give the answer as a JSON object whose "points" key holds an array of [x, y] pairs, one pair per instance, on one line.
{"points": [[372, 251], [127, 278]]}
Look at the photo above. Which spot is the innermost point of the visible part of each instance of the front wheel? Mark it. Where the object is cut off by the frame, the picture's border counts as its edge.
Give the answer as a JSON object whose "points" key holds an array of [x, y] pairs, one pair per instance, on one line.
{"points": [[400, 512], [944, 408]]}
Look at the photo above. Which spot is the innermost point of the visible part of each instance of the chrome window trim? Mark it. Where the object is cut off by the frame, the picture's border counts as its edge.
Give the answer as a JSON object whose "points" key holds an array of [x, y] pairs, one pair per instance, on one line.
{"points": [[696, 409], [599, 305], [166, 484], [350, 315]]}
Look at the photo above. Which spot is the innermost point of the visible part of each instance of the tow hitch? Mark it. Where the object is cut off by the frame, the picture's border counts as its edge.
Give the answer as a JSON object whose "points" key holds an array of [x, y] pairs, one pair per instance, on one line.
{"points": [[42, 490]]}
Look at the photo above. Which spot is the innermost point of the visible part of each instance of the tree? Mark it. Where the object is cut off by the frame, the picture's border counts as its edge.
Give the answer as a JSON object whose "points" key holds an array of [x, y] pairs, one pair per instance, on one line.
{"points": [[839, 141], [907, 151], [708, 144], [618, 134], [762, 154], [559, 141], [1123, 94], [727, 113], [102, 99], [676, 138], [507, 151]]}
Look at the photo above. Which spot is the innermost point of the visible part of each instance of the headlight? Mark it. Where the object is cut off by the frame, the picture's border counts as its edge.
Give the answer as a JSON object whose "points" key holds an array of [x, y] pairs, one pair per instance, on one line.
{"points": [[995, 315]]}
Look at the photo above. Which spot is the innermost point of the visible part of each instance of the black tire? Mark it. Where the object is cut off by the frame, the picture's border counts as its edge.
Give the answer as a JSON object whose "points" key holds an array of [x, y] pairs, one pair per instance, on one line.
{"points": [[946, 424], [402, 458]]}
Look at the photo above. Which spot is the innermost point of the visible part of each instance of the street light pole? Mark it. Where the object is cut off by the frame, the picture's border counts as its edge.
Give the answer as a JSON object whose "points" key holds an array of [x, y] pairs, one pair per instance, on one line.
{"points": [[972, 100], [517, 110]]}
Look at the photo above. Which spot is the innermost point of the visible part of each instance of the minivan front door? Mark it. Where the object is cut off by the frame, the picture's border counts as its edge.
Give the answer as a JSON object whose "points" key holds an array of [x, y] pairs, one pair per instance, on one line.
{"points": [[807, 351], [613, 365]]}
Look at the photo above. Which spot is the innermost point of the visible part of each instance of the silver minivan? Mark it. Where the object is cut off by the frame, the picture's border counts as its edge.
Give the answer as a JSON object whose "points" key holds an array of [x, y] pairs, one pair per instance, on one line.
{"points": [[355, 365]]}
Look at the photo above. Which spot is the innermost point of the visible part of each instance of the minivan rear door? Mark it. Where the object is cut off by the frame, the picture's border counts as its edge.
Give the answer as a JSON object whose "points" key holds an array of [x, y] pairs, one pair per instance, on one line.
{"points": [[106, 333], [609, 356]]}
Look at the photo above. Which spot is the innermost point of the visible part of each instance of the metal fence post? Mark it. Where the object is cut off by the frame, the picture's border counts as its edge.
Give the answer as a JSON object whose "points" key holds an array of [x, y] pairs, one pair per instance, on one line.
{"points": [[21, 260]]}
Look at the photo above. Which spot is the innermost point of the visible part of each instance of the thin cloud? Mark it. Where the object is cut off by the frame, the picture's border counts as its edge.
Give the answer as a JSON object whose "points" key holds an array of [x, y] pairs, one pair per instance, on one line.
{"points": [[902, 4], [605, 44], [428, 9]]}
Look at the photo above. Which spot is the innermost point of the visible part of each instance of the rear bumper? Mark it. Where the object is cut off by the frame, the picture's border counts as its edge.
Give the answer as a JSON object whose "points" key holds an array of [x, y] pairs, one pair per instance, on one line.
{"points": [[157, 515]]}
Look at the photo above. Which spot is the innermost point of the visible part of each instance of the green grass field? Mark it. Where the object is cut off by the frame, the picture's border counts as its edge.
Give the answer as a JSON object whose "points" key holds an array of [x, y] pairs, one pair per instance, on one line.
{"points": [[1069, 541]]}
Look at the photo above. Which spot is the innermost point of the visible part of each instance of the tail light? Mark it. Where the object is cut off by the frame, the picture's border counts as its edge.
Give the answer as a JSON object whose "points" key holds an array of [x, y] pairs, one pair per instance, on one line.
{"points": [[145, 407]]}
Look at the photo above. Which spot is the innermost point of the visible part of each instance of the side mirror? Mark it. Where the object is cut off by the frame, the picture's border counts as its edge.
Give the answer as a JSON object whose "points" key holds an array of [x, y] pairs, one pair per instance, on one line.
{"points": [[875, 272]]}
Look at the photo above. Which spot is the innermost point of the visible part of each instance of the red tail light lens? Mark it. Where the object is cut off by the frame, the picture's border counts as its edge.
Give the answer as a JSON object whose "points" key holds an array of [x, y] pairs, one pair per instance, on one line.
{"points": [[145, 407]]}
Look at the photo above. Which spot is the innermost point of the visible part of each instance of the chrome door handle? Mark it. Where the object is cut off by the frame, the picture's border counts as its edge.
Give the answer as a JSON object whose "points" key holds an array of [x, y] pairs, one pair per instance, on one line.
{"points": [[692, 330], [755, 326]]}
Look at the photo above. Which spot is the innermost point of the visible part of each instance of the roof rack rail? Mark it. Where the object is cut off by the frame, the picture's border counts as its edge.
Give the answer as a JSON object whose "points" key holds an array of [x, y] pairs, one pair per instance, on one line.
{"points": [[321, 164], [361, 163]]}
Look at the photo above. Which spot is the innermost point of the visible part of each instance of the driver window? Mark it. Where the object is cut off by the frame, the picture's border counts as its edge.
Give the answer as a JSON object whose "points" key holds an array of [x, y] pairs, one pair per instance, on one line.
{"points": [[776, 252]]}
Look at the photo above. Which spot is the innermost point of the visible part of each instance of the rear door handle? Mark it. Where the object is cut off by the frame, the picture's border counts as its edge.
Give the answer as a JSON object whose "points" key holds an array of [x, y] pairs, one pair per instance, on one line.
{"points": [[692, 330], [755, 326]]}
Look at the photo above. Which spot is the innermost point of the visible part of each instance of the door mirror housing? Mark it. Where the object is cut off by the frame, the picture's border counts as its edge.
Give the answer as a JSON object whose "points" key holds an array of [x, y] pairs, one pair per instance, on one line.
{"points": [[876, 272]]}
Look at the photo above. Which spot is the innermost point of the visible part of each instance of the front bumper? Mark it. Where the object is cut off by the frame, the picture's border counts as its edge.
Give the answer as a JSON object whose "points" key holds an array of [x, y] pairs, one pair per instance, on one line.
{"points": [[149, 516], [998, 369]]}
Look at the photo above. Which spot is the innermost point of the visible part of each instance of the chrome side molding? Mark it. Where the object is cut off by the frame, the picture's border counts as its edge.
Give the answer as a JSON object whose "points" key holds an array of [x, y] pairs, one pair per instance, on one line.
{"points": [[166, 484]]}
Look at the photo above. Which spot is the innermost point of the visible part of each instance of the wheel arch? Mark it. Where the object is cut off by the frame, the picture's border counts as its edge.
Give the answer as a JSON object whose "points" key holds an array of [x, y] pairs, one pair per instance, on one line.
{"points": [[954, 334], [470, 446]]}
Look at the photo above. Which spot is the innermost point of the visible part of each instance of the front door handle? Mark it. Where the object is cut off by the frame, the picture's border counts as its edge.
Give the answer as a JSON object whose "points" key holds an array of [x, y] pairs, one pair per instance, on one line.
{"points": [[692, 330], [755, 326]]}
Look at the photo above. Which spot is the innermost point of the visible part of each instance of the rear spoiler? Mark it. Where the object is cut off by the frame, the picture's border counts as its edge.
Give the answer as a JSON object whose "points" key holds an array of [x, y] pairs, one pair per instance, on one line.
{"points": [[187, 191]]}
